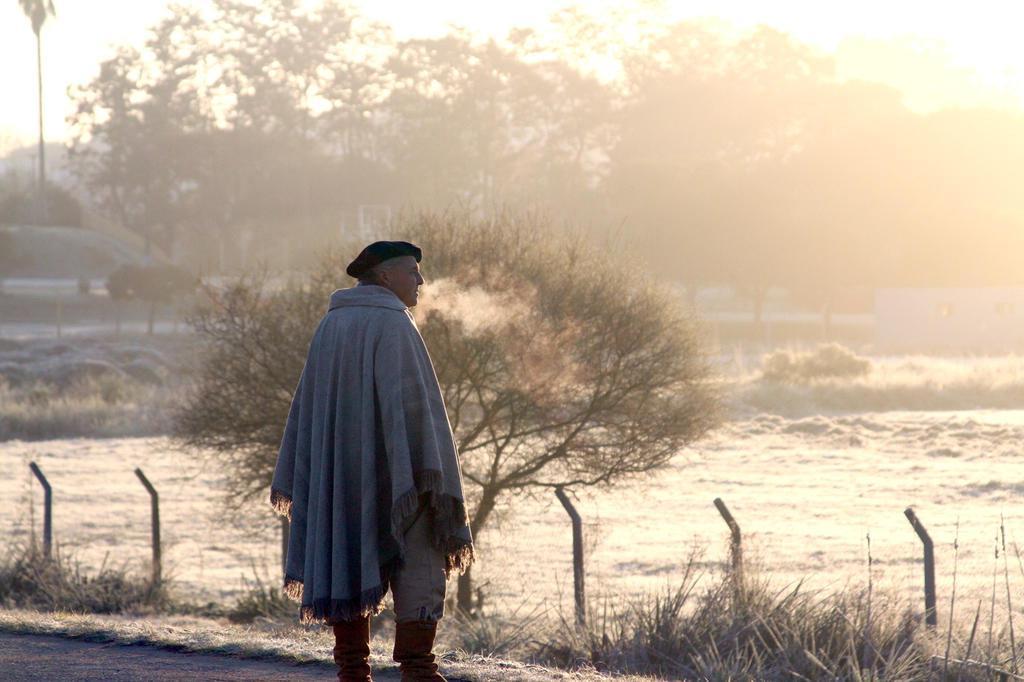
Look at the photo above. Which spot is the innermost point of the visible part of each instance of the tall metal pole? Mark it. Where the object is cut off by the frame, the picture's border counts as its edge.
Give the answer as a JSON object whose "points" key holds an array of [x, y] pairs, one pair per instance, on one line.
{"points": [[577, 556], [41, 217], [47, 509], [154, 503]]}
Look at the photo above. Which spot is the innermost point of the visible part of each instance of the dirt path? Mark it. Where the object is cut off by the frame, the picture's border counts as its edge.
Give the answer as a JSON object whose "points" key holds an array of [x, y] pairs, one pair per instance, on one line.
{"points": [[37, 657]]}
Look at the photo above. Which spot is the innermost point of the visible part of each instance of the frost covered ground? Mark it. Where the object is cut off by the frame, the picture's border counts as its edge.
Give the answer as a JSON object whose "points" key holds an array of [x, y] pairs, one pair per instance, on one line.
{"points": [[806, 492], [820, 450]]}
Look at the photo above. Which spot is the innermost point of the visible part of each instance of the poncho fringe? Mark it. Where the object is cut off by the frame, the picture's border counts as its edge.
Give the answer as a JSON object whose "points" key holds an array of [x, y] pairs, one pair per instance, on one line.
{"points": [[333, 610], [281, 503], [449, 514]]}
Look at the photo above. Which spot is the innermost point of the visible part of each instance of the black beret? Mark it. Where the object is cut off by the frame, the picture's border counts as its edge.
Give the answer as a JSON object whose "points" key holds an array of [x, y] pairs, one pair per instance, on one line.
{"points": [[378, 252]]}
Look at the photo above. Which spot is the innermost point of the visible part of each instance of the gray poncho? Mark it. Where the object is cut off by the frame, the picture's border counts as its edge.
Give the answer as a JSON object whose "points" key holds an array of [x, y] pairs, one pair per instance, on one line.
{"points": [[367, 439]]}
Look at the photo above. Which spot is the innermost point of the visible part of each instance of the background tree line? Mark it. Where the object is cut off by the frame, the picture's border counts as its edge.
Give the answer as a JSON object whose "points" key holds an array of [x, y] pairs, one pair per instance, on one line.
{"points": [[245, 131]]}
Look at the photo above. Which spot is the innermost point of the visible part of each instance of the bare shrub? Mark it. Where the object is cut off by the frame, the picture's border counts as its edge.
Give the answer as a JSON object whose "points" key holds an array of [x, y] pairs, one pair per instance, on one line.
{"points": [[560, 366]]}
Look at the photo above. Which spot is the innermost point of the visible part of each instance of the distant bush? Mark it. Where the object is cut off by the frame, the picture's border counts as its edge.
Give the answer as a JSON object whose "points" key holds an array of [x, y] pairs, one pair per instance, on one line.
{"points": [[917, 383], [156, 285], [30, 580], [830, 361], [95, 388], [19, 204], [100, 407]]}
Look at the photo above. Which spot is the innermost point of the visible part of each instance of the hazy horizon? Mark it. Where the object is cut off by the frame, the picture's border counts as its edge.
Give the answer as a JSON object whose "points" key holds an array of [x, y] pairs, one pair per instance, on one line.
{"points": [[934, 57]]}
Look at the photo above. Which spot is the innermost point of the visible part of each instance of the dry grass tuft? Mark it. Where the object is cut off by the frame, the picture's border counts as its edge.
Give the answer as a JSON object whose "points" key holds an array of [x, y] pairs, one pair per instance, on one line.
{"points": [[90, 386], [28, 579], [754, 632], [261, 601], [511, 636], [717, 628]]}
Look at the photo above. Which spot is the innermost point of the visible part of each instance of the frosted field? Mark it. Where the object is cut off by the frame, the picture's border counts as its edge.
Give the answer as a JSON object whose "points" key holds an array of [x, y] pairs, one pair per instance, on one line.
{"points": [[806, 492], [101, 512]]}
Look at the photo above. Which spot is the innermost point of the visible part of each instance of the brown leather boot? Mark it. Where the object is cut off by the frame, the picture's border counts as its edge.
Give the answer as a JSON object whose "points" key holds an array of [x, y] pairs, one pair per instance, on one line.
{"points": [[414, 641], [352, 650]]}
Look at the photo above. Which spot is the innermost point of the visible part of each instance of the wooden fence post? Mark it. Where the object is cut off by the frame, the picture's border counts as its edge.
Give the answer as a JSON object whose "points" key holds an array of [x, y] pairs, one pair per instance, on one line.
{"points": [[577, 556], [930, 615], [47, 509], [735, 544], [154, 503]]}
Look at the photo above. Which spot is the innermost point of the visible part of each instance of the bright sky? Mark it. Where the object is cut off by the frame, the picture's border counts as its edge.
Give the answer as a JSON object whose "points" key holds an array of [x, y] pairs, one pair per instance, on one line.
{"points": [[939, 54]]}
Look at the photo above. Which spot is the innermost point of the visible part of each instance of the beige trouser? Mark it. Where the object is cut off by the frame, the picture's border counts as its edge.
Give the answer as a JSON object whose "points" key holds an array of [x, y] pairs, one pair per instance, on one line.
{"points": [[418, 588]]}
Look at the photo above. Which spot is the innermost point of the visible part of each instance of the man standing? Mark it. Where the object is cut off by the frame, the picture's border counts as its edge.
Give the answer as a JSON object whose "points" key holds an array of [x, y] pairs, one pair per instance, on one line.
{"points": [[368, 472]]}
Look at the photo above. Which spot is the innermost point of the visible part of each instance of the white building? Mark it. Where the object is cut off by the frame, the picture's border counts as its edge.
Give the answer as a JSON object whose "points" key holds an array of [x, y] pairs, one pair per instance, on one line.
{"points": [[977, 319]]}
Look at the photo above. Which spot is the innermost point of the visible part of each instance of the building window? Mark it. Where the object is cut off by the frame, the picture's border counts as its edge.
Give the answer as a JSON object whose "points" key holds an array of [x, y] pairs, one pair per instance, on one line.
{"points": [[945, 310], [1004, 309]]}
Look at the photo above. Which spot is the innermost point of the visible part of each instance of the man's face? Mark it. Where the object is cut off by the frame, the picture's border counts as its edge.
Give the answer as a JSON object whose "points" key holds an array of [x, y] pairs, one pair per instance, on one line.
{"points": [[402, 276]]}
